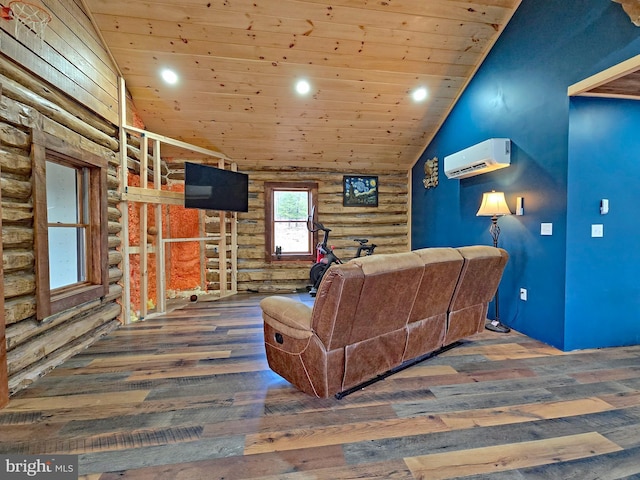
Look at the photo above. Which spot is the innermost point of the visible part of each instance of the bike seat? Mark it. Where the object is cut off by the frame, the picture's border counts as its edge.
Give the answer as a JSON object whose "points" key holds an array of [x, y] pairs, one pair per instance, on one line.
{"points": [[361, 240]]}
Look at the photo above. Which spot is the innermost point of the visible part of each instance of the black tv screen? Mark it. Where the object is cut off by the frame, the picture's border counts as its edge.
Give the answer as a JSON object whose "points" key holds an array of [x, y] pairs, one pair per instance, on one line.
{"points": [[212, 188]]}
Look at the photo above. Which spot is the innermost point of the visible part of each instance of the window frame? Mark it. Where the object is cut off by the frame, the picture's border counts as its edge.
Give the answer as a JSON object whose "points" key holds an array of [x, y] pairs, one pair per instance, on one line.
{"points": [[269, 189], [48, 147]]}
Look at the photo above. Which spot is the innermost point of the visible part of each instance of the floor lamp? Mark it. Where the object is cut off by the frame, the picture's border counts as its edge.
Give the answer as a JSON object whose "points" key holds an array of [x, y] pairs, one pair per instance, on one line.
{"points": [[494, 205]]}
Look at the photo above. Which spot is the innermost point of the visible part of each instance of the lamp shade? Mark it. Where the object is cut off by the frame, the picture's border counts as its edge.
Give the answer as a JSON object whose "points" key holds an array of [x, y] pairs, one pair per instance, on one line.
{"points": [[493, 204]]}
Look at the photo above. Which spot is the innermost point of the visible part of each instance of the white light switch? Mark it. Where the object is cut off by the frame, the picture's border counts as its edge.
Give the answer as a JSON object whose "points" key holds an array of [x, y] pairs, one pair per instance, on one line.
{"points": [[546, 229], [597, 230]]}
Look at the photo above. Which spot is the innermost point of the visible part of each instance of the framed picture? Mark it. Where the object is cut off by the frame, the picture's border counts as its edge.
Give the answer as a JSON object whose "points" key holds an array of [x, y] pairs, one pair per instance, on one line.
{"points": [[359, 191]]}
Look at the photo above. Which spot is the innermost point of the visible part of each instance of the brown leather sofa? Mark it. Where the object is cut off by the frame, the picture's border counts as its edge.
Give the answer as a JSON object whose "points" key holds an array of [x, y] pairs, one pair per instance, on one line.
{"points": [[376, 313]]}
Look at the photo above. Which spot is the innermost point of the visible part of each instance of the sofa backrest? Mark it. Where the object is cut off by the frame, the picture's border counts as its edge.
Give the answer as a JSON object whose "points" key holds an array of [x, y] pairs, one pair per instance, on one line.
{"points": [[365, 297], [481, 273], [336, 303], [390, 286], [427, 324], [442, 268], [373, 295], [378, 335]]}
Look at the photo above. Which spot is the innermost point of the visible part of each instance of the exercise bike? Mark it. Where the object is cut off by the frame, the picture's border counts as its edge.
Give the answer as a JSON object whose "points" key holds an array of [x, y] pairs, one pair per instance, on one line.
{"points": [[325, 256]]}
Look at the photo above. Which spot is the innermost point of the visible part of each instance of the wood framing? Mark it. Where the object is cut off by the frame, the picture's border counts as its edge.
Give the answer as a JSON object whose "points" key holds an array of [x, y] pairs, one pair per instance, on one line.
{"points": [[124, 211], [619, 81], [149, 193]]}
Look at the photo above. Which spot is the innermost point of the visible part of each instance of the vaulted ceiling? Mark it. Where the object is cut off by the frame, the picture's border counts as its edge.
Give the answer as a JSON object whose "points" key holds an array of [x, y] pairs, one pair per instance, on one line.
{"points": [[238, 62]]}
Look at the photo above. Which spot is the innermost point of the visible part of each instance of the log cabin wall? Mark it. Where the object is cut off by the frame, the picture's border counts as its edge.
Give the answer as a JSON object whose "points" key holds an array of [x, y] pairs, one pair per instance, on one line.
{"points": [[72, 96], [385, 225]]}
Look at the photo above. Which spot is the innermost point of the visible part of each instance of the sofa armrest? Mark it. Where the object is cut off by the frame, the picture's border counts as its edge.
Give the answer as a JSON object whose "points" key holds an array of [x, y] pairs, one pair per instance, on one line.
{"points": [[288, 316]]}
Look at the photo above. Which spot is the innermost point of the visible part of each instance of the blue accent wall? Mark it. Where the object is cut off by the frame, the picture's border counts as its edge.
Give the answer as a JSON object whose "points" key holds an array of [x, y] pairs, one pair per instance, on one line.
{"points": [[603, 274], [520, 92]]}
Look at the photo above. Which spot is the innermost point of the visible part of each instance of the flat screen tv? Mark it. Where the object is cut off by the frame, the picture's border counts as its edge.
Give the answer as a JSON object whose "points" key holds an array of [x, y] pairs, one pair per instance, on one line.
{"points": [[212, 188]]}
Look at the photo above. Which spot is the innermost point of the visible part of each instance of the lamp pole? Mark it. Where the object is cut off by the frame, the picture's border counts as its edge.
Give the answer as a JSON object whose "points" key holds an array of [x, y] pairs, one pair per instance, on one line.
{"points": [[496, 325]]}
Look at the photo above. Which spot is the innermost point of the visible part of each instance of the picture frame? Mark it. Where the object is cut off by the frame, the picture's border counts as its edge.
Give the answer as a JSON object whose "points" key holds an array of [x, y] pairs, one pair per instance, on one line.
{"points": [[360, 191]]}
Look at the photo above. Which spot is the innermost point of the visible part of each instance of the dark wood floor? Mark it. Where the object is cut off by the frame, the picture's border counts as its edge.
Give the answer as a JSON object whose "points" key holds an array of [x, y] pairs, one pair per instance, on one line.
{"points": [[189, 396]]}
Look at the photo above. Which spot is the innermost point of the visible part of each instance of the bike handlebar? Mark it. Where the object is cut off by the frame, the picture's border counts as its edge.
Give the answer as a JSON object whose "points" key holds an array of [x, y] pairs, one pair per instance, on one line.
{"points": [[314, 226]]}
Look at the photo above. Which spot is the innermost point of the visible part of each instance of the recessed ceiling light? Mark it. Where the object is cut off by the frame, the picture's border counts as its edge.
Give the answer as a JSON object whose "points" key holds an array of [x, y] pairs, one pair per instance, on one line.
{"points": [[169, 76], [419, 94], [303, 87]]}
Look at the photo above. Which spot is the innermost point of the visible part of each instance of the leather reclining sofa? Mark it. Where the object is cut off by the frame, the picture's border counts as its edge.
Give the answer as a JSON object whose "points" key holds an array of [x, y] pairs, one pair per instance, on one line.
{"points": [[376, 313]]}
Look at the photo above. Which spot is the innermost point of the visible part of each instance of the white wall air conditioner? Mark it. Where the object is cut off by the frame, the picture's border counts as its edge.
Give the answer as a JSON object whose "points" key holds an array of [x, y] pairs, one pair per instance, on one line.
{"points": [[484, 157]]}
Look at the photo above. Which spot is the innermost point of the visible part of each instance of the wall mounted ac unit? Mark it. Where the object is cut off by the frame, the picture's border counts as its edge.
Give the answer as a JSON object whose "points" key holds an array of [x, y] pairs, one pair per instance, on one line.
{"points": [[484, 157]]}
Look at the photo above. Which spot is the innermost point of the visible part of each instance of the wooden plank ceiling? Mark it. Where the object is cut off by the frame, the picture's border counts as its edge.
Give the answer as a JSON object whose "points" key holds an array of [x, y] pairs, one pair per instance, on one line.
{"points": [[238, 62]]}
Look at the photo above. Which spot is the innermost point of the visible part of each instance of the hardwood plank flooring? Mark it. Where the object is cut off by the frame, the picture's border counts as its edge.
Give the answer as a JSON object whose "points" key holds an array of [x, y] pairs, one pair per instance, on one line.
{"points": [[188, 395]]}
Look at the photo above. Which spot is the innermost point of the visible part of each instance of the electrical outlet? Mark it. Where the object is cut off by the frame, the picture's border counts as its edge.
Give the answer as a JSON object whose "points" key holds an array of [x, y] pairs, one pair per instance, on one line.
{"points": [[523, 294]]}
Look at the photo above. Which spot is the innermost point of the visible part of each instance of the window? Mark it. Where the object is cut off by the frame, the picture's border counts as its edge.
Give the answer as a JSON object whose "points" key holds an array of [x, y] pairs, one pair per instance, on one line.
{"points": [[70, 223], [287, 209]]}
